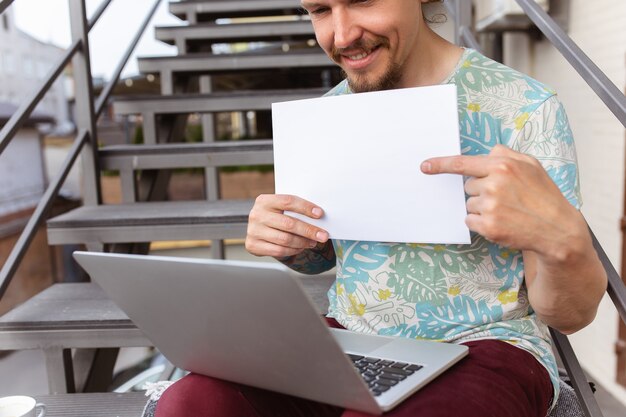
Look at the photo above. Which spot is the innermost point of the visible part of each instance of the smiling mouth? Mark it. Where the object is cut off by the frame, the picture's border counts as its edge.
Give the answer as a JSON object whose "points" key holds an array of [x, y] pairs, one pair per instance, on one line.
{"points": [[360, 56], [359, 51]]}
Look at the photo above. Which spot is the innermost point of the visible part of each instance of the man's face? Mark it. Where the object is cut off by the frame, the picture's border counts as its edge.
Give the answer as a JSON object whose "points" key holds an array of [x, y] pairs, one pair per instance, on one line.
{"points": [[373, 41]]}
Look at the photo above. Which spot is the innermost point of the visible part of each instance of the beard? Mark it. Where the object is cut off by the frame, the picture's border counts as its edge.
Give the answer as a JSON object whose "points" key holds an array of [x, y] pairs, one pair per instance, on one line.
{"points": [[387, 81], [360, 83]]}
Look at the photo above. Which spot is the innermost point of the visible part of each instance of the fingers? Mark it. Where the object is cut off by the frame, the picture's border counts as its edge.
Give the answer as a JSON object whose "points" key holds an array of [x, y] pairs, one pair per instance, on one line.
{"points": [[268, 213], [473, 166], [281, 203], [472, 187], [473, 205], [500, 158], [273, 233], [288, 231], [262, 248]]}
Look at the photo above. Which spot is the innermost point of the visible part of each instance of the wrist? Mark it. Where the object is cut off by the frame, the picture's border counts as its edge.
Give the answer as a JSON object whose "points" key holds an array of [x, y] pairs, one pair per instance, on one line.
{"points": [[566, 242]]}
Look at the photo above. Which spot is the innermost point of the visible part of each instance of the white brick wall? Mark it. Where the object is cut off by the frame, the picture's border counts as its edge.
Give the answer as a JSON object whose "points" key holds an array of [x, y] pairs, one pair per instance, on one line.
{"points": [[599, 28]]}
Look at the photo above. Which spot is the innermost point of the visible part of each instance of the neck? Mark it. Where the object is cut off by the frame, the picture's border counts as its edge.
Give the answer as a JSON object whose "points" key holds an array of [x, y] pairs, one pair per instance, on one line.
{"points": [[433, 59]]}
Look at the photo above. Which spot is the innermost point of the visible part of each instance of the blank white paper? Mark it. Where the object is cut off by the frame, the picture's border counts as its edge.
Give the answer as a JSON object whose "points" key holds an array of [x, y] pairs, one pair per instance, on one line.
{"points": [[358, 157]]}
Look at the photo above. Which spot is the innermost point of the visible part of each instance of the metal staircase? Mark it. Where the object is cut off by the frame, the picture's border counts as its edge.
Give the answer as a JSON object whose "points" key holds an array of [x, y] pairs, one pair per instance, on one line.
{"points": [[198, 80], [79, 316]]}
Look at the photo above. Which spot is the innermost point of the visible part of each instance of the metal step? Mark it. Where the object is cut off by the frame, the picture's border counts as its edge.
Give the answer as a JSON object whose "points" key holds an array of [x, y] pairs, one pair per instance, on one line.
{"points": [[102, 404], [72, 315], [190, 37], [80, 315], [209, 63], [187, 155], [208, 103], [194, 11], [147, 222]]}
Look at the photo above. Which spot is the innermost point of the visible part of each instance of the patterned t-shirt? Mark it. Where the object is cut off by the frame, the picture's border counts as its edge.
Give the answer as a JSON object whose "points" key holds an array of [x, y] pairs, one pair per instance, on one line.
{"points": [[457, 293]]}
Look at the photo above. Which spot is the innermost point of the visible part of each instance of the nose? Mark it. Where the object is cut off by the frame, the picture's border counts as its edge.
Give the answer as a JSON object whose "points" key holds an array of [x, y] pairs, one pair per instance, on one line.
{"points": [[345, 29]]}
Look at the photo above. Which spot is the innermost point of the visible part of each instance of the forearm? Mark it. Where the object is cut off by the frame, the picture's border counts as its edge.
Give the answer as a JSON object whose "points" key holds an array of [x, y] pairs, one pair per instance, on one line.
{"points": [[566, 279], [312, 261]]}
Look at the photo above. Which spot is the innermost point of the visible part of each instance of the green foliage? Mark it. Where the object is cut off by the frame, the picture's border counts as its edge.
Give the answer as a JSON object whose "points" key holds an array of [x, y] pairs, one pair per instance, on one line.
{"points": [[138, 136]]}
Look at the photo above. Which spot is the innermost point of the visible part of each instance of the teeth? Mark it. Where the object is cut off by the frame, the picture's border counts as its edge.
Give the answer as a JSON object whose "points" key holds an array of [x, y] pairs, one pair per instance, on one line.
{"points": [[358, 57]]}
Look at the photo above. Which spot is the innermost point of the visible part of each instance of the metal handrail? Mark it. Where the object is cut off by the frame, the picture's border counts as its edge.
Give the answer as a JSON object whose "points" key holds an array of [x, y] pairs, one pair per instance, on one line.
{"points": [[106, 92], [616, 288], [4, 4], [22, 244], [10, 129], [597, 80], [576, 374], [21, 114], [468, 38], [97, 14], [616, 102]]}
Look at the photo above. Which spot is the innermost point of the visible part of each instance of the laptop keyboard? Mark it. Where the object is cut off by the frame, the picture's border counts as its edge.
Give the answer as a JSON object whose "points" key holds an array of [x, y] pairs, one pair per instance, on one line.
{"points": [[380, 374]]}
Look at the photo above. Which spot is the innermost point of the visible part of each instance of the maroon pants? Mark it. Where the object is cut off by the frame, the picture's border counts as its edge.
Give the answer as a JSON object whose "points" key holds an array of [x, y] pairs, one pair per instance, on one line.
{"points": [[496, 379]]}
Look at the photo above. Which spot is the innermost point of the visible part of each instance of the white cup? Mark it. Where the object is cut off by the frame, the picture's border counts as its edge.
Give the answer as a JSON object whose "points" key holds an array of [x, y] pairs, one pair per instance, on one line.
{"points": [[21, 406]]}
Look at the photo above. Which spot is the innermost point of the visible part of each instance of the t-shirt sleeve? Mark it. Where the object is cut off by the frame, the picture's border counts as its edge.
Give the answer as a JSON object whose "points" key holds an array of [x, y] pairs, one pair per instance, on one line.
{"points": [[547, 136]]}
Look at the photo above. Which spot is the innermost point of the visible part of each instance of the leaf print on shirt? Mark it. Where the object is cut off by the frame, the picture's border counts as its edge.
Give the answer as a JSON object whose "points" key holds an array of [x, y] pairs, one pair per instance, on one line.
{"points": [[479, 72], [563, 131], [359, 258], [537, 94], [565, 178], [415, 277], [508, 265], [502, 102], [480, 132], [401, 330], [459, 315], [457, 259], [478, 285]]}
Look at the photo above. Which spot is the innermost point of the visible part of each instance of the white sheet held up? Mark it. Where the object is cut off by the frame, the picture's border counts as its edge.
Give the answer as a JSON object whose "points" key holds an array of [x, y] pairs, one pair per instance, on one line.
{"points": [[358, 157]]}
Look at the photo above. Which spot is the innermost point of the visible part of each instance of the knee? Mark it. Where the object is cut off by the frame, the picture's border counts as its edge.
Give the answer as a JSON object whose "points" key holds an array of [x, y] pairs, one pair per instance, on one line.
{"points": [[201, 396]]}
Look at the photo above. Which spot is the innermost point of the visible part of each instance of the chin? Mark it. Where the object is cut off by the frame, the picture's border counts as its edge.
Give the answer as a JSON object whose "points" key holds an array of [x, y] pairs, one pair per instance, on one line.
{"points": [[389, 80]]}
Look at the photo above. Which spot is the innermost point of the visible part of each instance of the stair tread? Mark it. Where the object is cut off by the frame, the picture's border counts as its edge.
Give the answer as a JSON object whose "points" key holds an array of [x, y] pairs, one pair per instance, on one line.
{"points": [[253, 53], [196, 62], [101, 404], [189, 155], [224, 32], [187, 148], [155, 213], [66, 306], [76, 306], [216, 102], [229, 8], [225, 94]]}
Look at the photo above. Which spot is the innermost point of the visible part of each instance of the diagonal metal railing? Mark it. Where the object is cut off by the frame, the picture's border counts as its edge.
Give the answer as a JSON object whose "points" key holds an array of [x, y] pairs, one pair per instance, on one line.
{"points": [[614, 99], [597, 80], [45, 203], [10, 129], [108, 89]]}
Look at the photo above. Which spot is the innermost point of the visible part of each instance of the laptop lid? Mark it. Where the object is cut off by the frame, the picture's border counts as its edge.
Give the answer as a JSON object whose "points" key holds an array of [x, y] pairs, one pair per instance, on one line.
{"points": [[253, 323]]}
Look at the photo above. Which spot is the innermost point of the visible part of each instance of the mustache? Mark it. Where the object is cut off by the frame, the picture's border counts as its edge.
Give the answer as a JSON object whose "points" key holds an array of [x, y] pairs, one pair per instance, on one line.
{"points": [[364, 44]]}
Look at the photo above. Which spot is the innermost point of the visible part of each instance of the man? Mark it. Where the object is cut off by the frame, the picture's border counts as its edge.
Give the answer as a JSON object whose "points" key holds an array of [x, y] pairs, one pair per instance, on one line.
{"points": [[530, 264]]}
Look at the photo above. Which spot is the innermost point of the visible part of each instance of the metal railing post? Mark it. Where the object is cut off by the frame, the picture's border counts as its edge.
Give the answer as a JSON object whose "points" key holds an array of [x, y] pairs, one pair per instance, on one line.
{"points": [[84, 103], [463, 15]]}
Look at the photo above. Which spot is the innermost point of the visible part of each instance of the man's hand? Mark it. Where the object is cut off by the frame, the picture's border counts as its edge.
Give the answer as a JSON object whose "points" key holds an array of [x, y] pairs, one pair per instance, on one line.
{"points": [[513, 202], [273, 233]]}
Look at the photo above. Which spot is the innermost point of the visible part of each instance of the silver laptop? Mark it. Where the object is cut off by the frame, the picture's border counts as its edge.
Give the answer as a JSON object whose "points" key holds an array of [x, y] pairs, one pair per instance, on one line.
{"points": [[252, 323]]}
